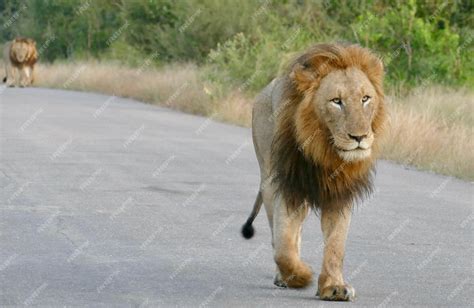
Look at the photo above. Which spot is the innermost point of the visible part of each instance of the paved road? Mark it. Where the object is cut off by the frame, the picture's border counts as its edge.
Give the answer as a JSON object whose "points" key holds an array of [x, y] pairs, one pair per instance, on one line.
{"points": [[107, 201]]}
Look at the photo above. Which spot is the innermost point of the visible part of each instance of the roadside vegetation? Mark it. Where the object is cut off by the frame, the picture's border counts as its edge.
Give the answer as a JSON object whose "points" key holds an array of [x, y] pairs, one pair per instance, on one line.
{"points": [[202, 57]]}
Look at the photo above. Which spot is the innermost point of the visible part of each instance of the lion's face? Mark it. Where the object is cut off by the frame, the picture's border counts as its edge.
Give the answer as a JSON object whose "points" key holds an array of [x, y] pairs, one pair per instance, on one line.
{"points": [[20, 50], [23, 50], [347, 101]]}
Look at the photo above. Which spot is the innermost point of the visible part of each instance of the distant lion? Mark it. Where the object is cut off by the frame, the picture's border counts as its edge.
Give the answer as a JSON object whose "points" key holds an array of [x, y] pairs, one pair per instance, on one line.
{"points": [[20, 57], [316, 132]]}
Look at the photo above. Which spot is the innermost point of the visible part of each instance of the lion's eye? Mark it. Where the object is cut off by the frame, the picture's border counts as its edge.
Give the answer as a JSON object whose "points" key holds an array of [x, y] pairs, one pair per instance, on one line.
{"points": [[365, 99], [336, 101]]}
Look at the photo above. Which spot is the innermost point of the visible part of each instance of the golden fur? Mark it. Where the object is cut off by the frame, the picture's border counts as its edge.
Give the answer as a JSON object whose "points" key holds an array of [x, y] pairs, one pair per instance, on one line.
{"points": [[20, 55], [316, 132]]}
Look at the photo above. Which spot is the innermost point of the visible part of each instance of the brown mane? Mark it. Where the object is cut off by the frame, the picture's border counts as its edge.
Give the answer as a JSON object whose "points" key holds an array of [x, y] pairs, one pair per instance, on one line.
{"points": [[305, 166]]}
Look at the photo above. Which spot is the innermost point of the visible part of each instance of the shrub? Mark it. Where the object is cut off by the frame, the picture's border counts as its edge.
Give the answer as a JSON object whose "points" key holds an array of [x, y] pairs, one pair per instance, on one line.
{"points": [[414, 50], [418, 47]]}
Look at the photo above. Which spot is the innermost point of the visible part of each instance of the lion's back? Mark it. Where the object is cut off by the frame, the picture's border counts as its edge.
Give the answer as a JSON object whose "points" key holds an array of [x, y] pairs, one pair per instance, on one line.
{"points": [[265, 111]]}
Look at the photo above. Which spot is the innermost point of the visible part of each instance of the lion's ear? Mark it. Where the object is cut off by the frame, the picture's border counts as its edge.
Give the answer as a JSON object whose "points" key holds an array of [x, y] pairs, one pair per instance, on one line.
{"points": [[303, 77], [309, 71]]}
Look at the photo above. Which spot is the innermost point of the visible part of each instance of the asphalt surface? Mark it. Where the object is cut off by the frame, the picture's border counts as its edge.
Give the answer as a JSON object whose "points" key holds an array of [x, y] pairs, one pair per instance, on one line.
{"points": [[111, 202]]}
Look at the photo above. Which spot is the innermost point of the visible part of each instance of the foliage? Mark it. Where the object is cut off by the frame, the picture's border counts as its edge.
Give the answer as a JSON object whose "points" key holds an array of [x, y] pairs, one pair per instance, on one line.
{"points": [[68, 28], [243, 44], [418, 43], [414, 49]]}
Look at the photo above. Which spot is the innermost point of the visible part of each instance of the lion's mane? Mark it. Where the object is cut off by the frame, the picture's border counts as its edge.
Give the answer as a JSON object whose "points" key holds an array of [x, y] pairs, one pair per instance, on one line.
{"points": [[311, 171]]}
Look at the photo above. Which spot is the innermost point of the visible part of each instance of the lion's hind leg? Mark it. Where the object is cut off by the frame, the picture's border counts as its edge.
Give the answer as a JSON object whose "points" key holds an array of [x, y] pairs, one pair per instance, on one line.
{"points": [[32, 77], [287, 222]]}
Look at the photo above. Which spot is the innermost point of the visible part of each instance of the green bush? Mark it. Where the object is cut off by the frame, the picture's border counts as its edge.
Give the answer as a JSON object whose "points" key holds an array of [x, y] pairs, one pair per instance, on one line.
{"points": [[249, 61], [414, 50], [184, 31]]}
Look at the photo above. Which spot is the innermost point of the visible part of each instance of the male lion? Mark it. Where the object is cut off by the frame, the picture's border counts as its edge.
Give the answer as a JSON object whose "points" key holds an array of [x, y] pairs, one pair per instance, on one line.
{"points": [[316, 133], [20, 55]]}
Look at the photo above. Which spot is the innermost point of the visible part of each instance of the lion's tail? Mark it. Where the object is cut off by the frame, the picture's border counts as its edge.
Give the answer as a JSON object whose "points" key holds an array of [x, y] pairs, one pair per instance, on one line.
{"points": [[4, 79], [247, 229]]}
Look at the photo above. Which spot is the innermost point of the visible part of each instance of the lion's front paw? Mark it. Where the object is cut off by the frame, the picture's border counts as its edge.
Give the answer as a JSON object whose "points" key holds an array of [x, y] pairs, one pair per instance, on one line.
{"points": [[337, 293]]}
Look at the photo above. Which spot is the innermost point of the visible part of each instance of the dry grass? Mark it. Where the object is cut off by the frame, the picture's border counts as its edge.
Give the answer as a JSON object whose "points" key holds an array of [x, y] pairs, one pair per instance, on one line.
{"points": [[176, 86], [431, 128]]}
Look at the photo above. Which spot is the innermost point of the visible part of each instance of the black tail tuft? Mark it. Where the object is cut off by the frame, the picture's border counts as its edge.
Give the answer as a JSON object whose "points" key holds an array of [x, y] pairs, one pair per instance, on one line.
{"points": [[248, 230], [4, 79]]}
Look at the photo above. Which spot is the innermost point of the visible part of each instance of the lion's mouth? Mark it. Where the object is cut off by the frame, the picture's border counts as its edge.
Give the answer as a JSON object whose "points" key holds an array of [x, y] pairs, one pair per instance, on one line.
{"points": [[355, 154], [354, 149]]}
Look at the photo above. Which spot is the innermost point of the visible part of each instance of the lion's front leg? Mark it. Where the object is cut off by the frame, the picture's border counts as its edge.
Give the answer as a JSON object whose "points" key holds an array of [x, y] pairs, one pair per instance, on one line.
{"points": [[331, 285], [24, 76], [10, 75], [30, 73], [287, 223]]}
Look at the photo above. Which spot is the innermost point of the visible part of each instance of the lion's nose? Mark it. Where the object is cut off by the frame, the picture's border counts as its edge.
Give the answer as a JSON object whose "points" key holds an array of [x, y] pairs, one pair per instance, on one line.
{"points": [[357, 138]]}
